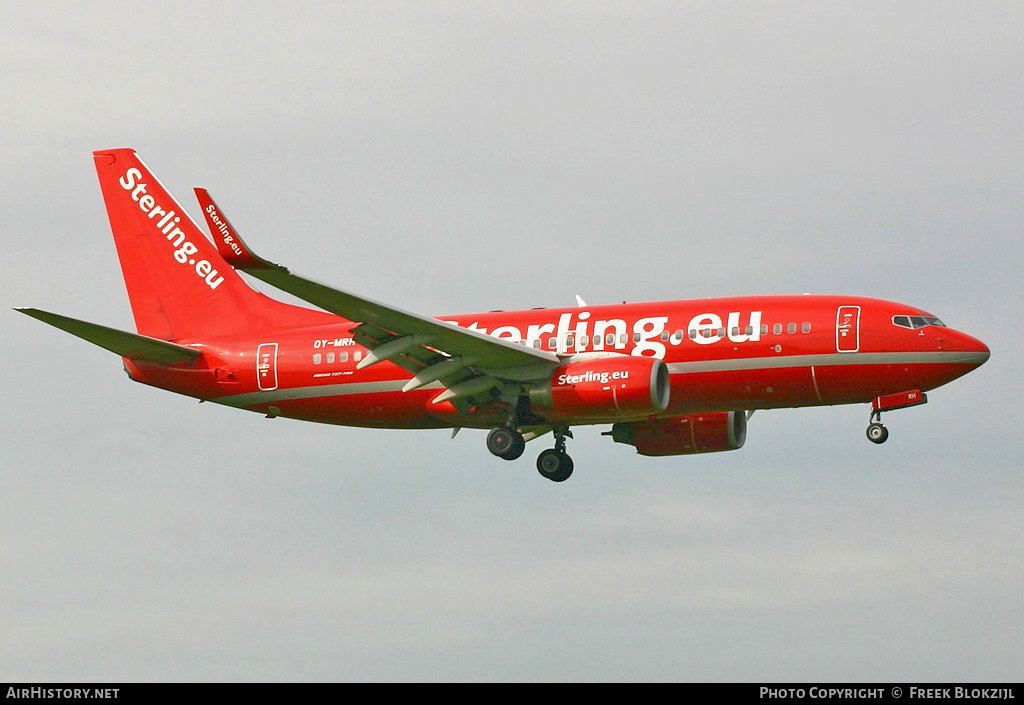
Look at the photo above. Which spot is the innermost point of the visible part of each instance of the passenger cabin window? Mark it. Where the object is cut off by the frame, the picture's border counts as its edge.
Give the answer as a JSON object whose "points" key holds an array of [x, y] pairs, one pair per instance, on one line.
{"points": [[316, 358], [915, 322], [807, 328], [778, 329], [791, 328]]}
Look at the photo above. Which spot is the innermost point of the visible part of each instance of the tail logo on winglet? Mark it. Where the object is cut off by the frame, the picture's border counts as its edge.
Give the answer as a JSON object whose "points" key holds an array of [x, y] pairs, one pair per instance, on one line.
{"points": [[223, 228], [168, 226]]}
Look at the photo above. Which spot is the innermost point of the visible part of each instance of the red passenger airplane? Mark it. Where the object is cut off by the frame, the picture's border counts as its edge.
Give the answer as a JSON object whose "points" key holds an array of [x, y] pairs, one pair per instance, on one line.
{"points": [[672, 377]]}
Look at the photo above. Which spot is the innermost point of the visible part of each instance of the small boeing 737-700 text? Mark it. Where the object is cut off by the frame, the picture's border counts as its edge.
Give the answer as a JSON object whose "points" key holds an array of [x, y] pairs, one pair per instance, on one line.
{"points": [[671, 377]]}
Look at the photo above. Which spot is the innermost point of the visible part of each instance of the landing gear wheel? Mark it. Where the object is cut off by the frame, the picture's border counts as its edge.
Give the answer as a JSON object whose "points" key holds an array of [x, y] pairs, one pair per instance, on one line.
{"points": [[554, 465], [506, 443], [877, 433]]}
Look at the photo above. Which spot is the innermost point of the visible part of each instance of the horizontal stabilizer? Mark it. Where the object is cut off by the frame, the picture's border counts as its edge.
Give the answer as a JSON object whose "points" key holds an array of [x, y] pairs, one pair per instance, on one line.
{"points": [[130, 345]]}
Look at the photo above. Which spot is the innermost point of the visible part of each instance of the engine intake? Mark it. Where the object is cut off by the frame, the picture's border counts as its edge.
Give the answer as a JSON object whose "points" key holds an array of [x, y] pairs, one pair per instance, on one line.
{"points": [[684, 435], [615, 387]]}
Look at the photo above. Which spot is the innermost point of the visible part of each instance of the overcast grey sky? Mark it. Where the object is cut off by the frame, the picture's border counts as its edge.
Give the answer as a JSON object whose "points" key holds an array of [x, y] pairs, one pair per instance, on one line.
{"points": [[451, 157]]}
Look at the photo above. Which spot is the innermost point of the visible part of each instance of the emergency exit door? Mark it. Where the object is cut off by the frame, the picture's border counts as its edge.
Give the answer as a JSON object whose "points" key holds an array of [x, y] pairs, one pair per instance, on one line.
{"points": [[848, 329], [266, 366]]}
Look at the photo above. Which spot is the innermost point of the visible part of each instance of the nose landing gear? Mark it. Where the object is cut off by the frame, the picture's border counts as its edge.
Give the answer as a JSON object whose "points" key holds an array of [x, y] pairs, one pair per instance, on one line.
{"points": [[877, 433]]}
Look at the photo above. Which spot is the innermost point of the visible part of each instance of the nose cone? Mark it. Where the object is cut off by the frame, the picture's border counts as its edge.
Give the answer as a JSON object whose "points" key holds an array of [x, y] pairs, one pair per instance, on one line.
{"points": [[948, 355], [969, 349]]}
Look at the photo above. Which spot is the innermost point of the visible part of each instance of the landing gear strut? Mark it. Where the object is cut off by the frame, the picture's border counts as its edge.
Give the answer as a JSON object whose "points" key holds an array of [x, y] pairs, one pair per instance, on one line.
{"points": [[554, 463], [877, 433], [506, 442]]}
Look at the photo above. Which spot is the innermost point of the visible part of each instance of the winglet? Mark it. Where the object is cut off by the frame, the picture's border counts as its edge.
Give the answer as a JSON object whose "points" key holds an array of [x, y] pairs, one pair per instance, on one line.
{"points": [[231, 247]]}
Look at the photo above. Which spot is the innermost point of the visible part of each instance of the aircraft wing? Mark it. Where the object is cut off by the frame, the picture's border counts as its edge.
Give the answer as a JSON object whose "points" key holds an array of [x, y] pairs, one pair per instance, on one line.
{"points": [[467, 362]]}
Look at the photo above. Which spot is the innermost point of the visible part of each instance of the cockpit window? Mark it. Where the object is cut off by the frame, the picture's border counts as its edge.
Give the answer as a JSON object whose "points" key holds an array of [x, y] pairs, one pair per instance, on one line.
{"points": [[915, 322]]}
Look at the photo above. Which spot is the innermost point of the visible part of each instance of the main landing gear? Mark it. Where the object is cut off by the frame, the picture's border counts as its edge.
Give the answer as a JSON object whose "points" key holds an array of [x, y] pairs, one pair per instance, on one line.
{"points": [[506, 443], [877, 433], [553, 463]]}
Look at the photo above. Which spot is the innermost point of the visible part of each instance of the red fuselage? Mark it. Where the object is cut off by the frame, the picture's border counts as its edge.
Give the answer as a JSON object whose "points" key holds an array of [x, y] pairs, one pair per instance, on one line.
{"points": [[737, 353]]}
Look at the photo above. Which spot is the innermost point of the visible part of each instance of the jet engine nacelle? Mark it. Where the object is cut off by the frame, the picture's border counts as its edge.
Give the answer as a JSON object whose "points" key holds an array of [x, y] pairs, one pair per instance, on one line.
{"points": [[684, 435], [614, 387]]}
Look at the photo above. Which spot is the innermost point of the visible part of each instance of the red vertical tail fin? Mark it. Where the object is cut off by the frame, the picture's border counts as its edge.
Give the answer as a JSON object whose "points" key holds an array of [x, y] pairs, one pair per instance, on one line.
{"points": [[178, 284]]}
